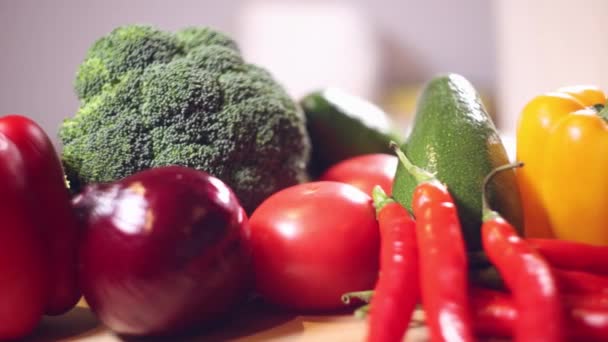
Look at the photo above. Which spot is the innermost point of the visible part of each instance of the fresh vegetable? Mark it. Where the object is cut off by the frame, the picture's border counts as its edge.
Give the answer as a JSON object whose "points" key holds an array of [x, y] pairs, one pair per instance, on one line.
{"points": [[398, 288], [39, 232], [496, 315], [562, 137], [571, 255], [454, 137], [162, 250], [342, 126], [151, 98], [364, 172], [587, 324], [313, 242], [567, 281], [526, 274], [588, 300], [442, 255], [580, 282]]}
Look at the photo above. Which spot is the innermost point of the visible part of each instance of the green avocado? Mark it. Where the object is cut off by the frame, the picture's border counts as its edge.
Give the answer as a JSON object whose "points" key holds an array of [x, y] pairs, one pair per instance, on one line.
{"points": [[342, 126], [453, 137]]}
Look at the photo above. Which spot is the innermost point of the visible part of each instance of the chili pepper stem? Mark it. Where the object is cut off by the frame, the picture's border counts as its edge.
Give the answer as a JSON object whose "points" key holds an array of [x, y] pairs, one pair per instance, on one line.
{"points": [[363, 311], [487, 212], [381, 199], [418, 173], [364, 296]]}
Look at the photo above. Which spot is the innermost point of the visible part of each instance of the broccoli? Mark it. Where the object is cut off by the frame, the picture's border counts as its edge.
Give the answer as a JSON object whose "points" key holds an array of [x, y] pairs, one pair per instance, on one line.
{"points": [[151, 98]]}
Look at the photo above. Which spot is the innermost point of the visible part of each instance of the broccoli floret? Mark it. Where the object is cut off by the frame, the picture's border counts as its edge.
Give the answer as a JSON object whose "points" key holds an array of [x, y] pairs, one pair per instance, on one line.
{"points": [[151, 98]]}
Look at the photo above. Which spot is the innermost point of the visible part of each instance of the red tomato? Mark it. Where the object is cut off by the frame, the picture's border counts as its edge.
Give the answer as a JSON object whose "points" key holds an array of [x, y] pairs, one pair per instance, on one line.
{"points": [[313, 242], [365, 172]]}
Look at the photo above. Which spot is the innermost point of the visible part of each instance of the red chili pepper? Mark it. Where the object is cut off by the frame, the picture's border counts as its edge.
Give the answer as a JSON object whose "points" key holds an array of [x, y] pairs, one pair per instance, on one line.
{"points": [[398, 289], [587, 300], [496, 315], [587, 324], [526, 274], [568, 282], [442, 256], [572, 255], [575, 281], [38, 235]]}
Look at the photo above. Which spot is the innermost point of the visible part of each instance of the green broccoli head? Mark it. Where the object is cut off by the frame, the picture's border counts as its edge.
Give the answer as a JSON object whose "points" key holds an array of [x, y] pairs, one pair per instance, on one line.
{"points": [[151, 98]]}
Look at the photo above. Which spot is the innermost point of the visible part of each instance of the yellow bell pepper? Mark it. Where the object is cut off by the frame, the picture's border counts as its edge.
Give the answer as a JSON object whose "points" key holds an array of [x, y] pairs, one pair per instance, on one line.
{"points": [[562, 138]]}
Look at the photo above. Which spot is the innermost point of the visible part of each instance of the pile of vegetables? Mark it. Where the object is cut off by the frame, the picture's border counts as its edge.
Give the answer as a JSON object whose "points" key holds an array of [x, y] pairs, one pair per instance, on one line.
{"points": [[525, 288], [196, 185], [176, 142]]}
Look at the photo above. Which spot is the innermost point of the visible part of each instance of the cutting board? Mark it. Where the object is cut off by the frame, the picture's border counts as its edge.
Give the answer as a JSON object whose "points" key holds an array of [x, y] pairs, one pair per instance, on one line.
{"points": [[252, 323]]}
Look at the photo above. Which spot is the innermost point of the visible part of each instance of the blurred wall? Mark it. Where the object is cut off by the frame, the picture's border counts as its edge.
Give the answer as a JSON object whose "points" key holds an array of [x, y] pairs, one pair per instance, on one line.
{"points": [[546, 44], [442, 36], [42, 43], [367, 46]]}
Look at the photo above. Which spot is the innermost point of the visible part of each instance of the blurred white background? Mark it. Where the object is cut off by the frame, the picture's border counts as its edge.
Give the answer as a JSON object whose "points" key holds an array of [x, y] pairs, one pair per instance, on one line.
{"points": [[383, 50]]}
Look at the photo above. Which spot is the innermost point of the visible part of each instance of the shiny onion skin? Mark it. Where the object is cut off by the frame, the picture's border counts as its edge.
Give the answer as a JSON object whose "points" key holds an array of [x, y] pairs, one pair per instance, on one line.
{"points": [[162, 251]]}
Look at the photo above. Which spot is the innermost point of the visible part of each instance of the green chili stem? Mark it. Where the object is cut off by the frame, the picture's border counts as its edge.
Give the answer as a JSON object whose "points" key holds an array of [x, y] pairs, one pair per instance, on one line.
{"points": [[364, 296], [381, 199], [418, 173], [486, 210]]}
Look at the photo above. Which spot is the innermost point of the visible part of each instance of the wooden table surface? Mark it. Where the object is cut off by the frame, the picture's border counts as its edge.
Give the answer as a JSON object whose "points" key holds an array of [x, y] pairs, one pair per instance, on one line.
{"points": [[253, 323]]}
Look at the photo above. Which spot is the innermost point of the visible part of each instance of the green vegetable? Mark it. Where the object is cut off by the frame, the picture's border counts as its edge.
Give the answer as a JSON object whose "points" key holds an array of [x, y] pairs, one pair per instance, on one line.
{"points": [[454, 137], [152, 98], [342, 126]]}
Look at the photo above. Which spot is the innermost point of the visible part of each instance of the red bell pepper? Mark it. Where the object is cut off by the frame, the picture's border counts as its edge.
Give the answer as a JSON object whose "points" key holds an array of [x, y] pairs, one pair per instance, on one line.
{"points": [[38, 233]]}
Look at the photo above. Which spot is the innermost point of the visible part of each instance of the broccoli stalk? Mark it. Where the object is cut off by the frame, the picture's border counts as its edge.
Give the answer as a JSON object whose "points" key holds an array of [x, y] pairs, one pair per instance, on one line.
{"points": [[151, 98]]}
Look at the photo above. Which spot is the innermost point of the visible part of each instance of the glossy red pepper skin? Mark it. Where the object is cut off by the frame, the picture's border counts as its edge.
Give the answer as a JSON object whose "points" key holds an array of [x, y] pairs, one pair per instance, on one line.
{"points": [[587, 324], [23, 273], [37, 198], [572, 255], [587, 300], [530, 279], [493, 312], [496, 315], [580, 282], [442, 256], [398, 289], [443, 263]]}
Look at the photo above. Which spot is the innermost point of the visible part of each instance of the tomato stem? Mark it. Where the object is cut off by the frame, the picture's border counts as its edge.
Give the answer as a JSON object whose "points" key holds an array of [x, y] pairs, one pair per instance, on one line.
{"points": [[487, 212], [418, 173]]}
